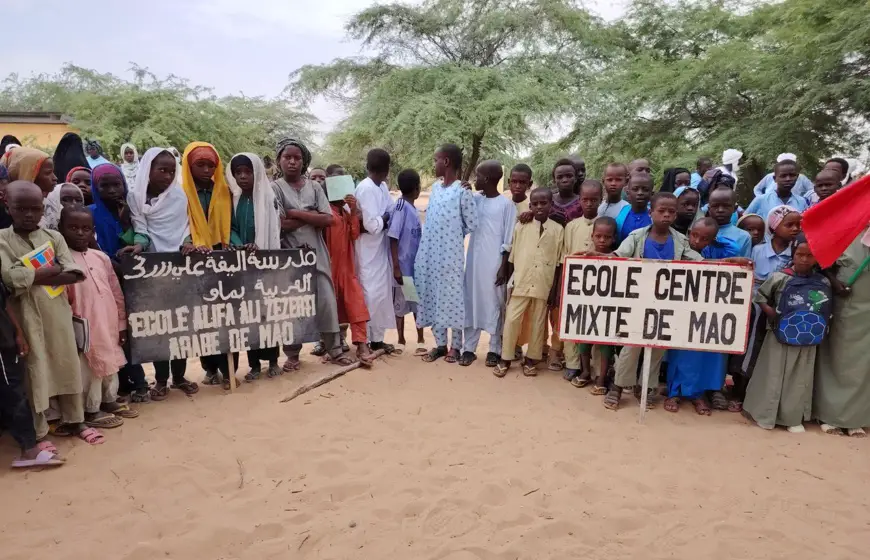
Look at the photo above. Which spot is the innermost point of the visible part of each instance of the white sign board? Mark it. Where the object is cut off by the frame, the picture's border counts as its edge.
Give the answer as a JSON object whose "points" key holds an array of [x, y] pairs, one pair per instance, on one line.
{"points": [[663, 304]]}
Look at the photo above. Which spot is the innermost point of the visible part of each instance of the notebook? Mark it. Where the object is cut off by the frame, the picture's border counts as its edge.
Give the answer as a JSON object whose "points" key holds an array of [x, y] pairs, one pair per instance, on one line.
{"points": [[41, 257], [82, 330]]}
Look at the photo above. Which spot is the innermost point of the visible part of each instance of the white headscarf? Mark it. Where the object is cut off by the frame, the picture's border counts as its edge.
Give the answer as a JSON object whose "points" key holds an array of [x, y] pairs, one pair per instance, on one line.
{"points": [[53, 206], [267, 223], [164, 220], [129, 169]]}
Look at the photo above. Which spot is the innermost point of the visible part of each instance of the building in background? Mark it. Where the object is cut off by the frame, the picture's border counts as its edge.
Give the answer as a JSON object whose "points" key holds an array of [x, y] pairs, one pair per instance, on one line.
{"points": [[36, 129]]}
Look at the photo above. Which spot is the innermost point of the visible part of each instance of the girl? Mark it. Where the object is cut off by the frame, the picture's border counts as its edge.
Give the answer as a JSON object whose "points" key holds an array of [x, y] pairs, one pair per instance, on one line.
{"points": [[81, 177], [129, 162], [27, 164], [99, 300], [70, 156], [95, 154], [781, 391], [566, 202], [688, 200], [65, 195], [257, 225], [112, 220], [675, 178], [753, 224], [158, 208]]}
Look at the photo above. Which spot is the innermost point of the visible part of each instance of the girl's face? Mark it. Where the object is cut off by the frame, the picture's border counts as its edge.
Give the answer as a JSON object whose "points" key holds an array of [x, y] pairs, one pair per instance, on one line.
{"points": [[291, 162], [682, 180], [71, 197], [318, 175], [755, 227], [162, 172], [81, 178], [789, 228], [803, 260], [111, 189], [565, 178], [687, 204], [202, 170], [128, 155], [602, 238], [45, 179], [244, 177]]}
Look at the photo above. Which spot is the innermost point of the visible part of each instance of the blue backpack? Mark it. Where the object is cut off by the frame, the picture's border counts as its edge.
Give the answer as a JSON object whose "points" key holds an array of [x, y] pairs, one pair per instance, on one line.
{"points": [[804, 310]]}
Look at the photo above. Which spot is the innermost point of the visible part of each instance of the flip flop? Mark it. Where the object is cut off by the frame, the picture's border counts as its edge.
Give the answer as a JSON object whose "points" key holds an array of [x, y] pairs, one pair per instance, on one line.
{"points": [[399, 350], [491, 359], [467, 359], [292, 364], [580, 382], [435, 353], [46, 445], [500, 370], [43, 459], [123, 411], [107, 422], [274, 371], [452, 356], [598, 391], [530, 370], [92, 436], [421, 350], [187, 387]]}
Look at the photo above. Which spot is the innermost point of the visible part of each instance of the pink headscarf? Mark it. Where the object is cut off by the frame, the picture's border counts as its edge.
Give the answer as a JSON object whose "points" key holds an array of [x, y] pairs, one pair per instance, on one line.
{"points": [[777, 215]]}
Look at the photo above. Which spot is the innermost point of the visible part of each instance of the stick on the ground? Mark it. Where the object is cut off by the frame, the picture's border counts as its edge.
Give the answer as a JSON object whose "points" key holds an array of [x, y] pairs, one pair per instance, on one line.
{"points": [[327, 378], [241, 472]]}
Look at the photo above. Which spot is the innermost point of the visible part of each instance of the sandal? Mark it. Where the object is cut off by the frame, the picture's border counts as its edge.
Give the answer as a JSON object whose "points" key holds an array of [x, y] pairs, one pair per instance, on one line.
{"points": [[121, 410], [318, 350], [735, 406], [186, 387], [387, 348], [140, 396], [580, 381], [89, 435], [344, 346], [342, 360], [672, 404], [570, 374], [491, 359], [274, 371], [365, 360], [104, 420], [518, 353], [452, 356], [856, 432], [701, 407], [598, 391], [46, 445], [399, 349], [435, 353], [253, 375], [530, 370], [43, 459], [554, 364], [611, 400], [831, 430], [500, 370], [467, 359], [652, 396], [292, 364], [421, 350], [211, 378], [719, 401], [159, 393]]}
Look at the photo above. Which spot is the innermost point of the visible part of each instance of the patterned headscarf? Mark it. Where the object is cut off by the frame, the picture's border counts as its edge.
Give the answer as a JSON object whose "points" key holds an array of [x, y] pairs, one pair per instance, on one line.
{"points": [[94, 144], [23, 164], [106, 225], [69, 175], [777, 215], [284, 143], [4, 173], [680, 191], [748, 215], [203, 152]]}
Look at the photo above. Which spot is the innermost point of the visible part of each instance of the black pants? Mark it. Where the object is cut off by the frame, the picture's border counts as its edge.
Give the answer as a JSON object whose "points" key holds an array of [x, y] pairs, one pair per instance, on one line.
{"points": [[131, 377], [219, 362], [262, 354], [13, 402], [161, 371]]}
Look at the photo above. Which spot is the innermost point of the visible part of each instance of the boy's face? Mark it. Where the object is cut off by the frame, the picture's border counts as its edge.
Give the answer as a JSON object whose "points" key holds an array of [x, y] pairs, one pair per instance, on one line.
{"points": [[664, 212], [789, 227], [128, 155], [565, 178], [755, 227], [78, 230], [540, 204], [701, 236], [687, 204], [519, 183], [786, 177], [202, 169], [71, 197], [25, 205], [162, 172], [93, 153], [827, 182], [441, 162], [336, 172], [614, 181], [318, 175], [721, 205], [45, 179], [603, 236], [481, 179], [111, 189], [640, 166], [590, 200], [682, 180], [244, 177], [803, 259], [639, 191], [291, 162]]}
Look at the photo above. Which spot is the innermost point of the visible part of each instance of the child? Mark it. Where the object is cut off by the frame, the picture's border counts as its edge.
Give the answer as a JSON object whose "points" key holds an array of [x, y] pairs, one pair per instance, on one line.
{"points": [[404, 233], [334, 170], [97, 299], [656, 241], [81, 177], [28, 164], [158, 209], [486, 268], [578, 239], [256, 226], [5, 220], [615, 178], [827, 183], [318, 175], [702, 237], [688, 201], [53, 366], [785, 173], [754, 225], [721, 206], [210, 213], [64, 195], [780, 393], [566, 203], [129, 162], [519, 183], [440, 261], [537, 252], [637, 214]]}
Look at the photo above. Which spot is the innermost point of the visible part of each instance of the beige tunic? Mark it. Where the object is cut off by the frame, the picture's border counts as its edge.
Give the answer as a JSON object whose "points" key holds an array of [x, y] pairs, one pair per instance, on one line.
{"points": [[53, 363]]}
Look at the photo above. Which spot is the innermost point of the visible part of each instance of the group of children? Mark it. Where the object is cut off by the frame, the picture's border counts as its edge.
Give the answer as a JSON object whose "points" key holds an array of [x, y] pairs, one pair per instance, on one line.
{"points": [[376, 264]]}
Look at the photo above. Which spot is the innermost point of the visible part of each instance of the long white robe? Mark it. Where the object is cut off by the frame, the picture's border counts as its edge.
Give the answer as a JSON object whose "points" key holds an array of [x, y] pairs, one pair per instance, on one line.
{"points": [[484, 301], [374, 265]]}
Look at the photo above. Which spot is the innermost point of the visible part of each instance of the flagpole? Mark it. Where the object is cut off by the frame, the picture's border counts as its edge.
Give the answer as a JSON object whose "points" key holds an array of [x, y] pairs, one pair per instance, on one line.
{"points": [[863, 266]]}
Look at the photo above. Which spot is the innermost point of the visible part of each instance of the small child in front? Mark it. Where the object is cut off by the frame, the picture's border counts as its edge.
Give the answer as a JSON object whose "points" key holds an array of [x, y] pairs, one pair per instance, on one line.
{"points": [[99, 300], [536, 255], [781, 390], [404, 234]]}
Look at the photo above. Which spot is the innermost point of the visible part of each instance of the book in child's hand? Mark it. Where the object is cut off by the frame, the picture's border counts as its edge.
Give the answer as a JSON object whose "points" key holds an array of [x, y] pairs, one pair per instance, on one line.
{"points": [[82, 330], [42, 257]]}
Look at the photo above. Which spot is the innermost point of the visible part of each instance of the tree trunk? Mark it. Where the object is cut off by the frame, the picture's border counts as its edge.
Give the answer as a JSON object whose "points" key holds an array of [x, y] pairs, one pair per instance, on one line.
{"points": [[471, 164], [750, 175]]}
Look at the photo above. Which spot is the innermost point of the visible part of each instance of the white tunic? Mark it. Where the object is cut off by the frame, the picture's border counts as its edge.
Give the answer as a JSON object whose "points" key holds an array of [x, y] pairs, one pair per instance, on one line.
{"points": [[484, 301], [374, 265]]}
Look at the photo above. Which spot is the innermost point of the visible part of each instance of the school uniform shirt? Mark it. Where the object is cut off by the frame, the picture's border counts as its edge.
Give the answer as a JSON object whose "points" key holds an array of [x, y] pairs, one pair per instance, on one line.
{"points": [[522, 206], [635, 244], [767, 261], [611, 209], [762, 205], [578, 235], [629, 220], [243, 220], [535, 255], [738, 240], [696, 179], [802, 187], [406, 230]]}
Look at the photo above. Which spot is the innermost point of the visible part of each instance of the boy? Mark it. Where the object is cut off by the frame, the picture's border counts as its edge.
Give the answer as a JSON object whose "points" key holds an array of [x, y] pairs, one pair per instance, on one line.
{"points": [[688, 200], [703, 165], [702, 237], [827, 182], [636, 215], [486, 268], [537, 252], [615, 178], [734, 241], [53, 366], [318, 175], [405, 232], [785, 173], [519, 184], [334, 170]]}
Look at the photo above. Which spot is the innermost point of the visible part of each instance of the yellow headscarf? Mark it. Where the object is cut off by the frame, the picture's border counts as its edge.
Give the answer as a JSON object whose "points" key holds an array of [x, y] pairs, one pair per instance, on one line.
{"points": [[23, 164], [216, 229]]}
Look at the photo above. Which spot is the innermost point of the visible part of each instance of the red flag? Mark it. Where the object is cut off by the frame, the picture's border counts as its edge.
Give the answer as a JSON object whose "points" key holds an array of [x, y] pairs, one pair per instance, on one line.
{"points": [[834, 223]]}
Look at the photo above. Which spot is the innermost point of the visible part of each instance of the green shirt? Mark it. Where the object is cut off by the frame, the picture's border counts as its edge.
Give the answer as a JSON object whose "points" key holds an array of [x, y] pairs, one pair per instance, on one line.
{"points": [[204, 196], [243, 220]]}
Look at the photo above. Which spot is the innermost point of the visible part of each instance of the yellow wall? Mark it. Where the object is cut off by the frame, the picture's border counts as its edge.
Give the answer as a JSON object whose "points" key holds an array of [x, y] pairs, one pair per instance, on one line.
{"points": [[38, 135]]}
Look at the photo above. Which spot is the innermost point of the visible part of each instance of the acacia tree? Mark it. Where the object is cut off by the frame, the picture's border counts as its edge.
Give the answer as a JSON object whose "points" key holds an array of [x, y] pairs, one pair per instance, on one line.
{"points": [[149, 111], [488, 75]]}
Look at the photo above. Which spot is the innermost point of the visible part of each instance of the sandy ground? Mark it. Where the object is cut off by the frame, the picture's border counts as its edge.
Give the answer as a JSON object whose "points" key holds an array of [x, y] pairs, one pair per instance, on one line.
{"points": [[435, 461]]}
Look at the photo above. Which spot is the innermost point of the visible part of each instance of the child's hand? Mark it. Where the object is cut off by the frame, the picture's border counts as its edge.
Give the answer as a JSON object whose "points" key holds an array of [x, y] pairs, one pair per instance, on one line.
{"points": [[122, 338], [130, 250], [466, 185], [502, 277], [526, 217], [350, 200], [397, 274], [21, 342], [249, 247], [840, 288], [739, 260]]}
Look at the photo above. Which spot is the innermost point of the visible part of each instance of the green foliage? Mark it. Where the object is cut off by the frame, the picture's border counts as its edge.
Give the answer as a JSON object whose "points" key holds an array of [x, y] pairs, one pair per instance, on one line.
{"points": [[156, 112]]}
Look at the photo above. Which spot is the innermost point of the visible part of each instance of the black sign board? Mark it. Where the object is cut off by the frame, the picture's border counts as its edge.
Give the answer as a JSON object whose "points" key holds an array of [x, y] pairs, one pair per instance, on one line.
{"points": [[182, 307]]}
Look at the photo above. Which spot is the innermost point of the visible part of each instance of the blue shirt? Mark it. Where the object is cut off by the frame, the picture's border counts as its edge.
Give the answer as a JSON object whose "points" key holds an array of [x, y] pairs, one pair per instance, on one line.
{"points": [[767, 261], [763, 204], [696, 180], [660, 251], [634, 220], [405, 228], [740, 240], [802, 187]]}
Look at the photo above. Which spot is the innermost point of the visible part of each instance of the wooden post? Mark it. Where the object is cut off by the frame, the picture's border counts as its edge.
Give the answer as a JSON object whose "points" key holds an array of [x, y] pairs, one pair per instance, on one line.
{"points": [[647, 363], [231, 368]]}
